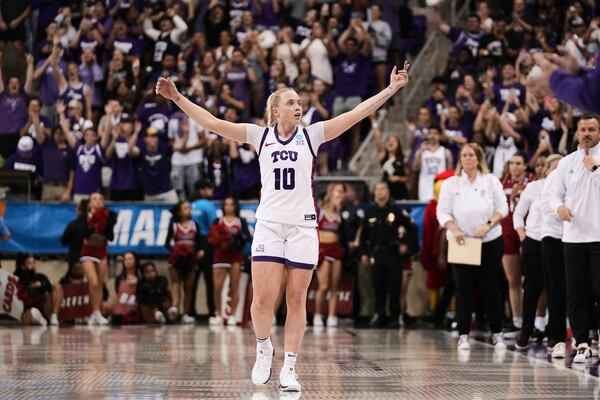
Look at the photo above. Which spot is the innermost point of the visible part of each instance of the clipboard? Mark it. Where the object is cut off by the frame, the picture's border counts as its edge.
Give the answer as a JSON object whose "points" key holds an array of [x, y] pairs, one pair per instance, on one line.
{"points": [[467, 254]]}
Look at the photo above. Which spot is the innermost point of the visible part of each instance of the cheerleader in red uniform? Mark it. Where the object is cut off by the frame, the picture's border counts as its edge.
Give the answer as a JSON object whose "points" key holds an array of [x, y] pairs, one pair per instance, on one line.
{"points": [[330, 254], [514, 182], [94, 252], [185, 244], [228, 235]]}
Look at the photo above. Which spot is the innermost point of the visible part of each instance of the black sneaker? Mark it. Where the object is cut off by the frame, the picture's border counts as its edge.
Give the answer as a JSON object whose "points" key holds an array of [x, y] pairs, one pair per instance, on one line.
{"points": [[511, 332], [538, 335], [376, 322], [522, 342], [393, 324], [408, 320]]}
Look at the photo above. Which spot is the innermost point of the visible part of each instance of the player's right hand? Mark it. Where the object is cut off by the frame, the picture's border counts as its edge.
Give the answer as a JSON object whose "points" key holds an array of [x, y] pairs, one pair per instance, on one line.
{"points": [[166, 88]]}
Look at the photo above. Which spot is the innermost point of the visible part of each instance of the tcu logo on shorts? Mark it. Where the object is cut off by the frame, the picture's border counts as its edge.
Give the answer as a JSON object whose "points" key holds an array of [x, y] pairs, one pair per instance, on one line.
{"points": [[284, 155]]}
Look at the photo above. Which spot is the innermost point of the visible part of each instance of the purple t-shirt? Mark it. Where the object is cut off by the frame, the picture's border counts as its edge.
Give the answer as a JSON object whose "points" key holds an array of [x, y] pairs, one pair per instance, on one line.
{"points": [[267, 14], [436, 106], [48, 85], [236, 8], [454, 131], [88, 169], [501, 93], [240, 84], [468, 117], [16, 162], [463, 39], [352, 75], [156, 169], [123, 167], [246, 171], [151, 115], [90, 75], [58, 162], [12, 110], [130, 46]]}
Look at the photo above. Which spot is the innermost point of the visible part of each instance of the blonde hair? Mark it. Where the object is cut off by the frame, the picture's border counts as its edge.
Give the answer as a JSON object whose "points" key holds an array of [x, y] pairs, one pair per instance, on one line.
{"points": [[551, 158], [329, 193], [481, 165], [273, 101]]}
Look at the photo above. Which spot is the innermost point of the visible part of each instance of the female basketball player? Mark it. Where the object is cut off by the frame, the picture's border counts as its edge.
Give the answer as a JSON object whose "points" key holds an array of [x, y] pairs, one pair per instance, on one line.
{"points": [[228, 235], [286, 230], [330, 254], [94, 252]]}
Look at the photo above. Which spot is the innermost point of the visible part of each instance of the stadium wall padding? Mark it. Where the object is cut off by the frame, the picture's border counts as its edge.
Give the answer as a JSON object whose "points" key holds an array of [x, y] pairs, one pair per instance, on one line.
{"points": [[37, 227]]}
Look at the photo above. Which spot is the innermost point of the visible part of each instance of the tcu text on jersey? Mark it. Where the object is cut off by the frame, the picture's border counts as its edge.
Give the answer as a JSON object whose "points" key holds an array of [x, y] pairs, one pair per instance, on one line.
{"points": [[284, 155]]}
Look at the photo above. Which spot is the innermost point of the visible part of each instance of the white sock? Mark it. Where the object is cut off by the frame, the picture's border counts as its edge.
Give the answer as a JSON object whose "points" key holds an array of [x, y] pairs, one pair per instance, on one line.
{"points": [[289, 361], [264, 345], [518, 322], [540, 323]]}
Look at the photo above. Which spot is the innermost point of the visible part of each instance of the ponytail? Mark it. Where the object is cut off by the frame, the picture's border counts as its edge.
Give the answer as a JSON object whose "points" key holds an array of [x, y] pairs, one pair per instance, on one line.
{"points": [[273, 101]]}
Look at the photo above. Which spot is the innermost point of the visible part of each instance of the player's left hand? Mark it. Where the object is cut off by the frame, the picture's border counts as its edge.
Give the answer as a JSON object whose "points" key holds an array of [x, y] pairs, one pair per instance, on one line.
{"points": [[398, 79]]}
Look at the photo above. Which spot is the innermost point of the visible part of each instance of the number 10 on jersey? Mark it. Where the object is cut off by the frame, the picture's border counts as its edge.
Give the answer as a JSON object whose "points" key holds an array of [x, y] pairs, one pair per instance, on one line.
{"points": [[285, 177]]}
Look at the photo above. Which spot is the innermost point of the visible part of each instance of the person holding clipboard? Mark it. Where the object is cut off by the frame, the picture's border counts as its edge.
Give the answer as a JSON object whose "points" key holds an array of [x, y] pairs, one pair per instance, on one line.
{"points": [[470, 207]]}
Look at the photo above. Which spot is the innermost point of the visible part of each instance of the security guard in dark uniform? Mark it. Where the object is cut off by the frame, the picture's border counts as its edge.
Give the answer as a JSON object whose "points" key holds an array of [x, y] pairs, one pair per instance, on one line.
{"points": [[388, 238]]}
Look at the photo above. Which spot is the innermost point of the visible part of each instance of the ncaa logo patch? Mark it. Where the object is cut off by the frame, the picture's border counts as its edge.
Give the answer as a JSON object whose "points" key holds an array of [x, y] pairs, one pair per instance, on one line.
{"points": [[260, 248], [299, 139]]}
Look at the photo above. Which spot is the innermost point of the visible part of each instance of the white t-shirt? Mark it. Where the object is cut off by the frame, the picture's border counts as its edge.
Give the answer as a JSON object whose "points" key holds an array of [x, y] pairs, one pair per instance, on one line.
{"points": [[319, 59], [504, 151], [432, 163], [283, 52], [191, 157], [382, 38], [286, 172]]}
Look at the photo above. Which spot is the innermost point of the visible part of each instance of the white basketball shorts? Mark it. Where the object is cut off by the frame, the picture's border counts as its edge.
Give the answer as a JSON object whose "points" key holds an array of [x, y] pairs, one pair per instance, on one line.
{"points": [[292, 245]]}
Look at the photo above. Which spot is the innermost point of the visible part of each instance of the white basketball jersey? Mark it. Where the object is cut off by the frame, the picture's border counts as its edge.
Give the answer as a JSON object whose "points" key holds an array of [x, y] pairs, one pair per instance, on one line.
{"points": [[432, 163], [286, 171]]}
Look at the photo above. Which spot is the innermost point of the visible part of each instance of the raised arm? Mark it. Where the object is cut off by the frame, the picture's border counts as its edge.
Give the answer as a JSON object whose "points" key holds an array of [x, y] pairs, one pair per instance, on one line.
{"points": [[338, 125], [87, 92], [377, 137], [166, 88], [180, 28], [439, 24], [60, 78], [134, 151], [39, 71], [64, 124], [29, 75], [149, 30]]}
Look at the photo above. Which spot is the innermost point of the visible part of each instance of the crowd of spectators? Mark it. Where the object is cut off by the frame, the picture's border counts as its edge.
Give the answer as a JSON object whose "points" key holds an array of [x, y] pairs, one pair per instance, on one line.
{"points": [[80, 110], [484, 94]]}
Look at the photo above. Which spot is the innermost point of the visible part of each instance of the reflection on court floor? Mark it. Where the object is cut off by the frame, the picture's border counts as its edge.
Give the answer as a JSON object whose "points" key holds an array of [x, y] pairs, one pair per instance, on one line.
{"points": [[197, 362]]}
